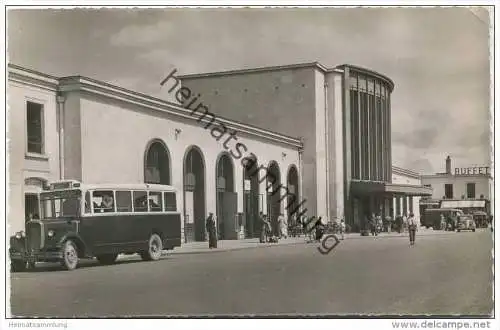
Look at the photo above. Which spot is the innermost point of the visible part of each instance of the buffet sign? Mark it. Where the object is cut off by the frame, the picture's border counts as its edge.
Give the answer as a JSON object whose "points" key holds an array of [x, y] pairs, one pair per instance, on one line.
{"points": [[472, 170]]}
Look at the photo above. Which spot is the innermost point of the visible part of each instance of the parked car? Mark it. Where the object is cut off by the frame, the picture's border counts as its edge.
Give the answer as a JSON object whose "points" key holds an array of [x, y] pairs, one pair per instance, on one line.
{"points": [[466, 222], [481, 219]]}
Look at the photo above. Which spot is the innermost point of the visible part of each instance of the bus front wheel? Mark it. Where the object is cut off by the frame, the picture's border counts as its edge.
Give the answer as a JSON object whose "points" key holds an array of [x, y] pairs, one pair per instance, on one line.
{"points": [[155, 246], [70, 255]]}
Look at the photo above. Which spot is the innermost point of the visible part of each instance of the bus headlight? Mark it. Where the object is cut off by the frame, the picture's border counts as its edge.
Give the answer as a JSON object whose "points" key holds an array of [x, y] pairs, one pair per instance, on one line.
{"points": [[50, 233], [20, 234]]}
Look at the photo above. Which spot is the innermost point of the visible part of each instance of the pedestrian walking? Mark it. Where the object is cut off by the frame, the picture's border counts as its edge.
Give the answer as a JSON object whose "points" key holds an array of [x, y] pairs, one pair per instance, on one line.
{"points": [[373, 224], [412, 228], [442, 222], [399, 223], [283, 226], [405, 222], [379, 224], [319, 229], [264, 227], [342, 229], [212, 231], [388, 220]]}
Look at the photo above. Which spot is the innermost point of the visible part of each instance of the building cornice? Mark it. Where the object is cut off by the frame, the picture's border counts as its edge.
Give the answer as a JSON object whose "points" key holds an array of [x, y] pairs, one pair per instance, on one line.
{"points": [[93, 86], [359, 69], [406, 172], [453, 176], [32, 78], [316, 65], [79, 83]]}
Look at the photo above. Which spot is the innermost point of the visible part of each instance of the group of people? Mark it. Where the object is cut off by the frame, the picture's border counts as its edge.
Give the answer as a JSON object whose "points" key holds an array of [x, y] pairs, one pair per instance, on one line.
{"points": [[402, 223], [315, 226], [267, 234], [375, 224]]}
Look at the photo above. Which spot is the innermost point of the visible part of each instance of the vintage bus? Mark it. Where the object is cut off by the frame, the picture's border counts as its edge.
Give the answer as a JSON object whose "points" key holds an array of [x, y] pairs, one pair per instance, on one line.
{"points": [[79, 221], [432, 217]]}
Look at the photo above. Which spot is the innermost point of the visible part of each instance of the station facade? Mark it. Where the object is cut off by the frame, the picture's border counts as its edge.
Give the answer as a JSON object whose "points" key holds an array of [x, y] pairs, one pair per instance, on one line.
{"points": [[343, 117], [82, 129]]}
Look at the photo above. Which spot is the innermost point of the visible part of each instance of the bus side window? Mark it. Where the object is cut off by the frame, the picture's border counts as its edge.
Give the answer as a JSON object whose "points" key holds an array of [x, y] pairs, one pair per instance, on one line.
{"points": [[140, 201], [155, 201], [103, 201], [170, 201], [123, 201], [88, 210]]}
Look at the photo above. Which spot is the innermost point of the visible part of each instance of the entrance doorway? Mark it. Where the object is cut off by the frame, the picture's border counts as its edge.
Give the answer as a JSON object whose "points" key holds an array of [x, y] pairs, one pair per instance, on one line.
{"points": [[251, 197], [226, 203], [273, 185], [293, 198], [194, 195]]}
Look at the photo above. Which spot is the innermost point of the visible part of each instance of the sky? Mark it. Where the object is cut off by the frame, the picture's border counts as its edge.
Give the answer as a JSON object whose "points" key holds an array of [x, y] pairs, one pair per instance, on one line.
{"points": [[439, 59]]}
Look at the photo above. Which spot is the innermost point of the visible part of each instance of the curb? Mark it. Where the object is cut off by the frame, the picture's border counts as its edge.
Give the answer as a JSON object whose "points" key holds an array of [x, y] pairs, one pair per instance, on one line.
{"points": [[231, 249], [291, 243]]}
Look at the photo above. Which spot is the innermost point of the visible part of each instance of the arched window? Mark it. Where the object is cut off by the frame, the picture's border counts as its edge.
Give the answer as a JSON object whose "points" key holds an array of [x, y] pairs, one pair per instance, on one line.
{"points": [[157, 164]]}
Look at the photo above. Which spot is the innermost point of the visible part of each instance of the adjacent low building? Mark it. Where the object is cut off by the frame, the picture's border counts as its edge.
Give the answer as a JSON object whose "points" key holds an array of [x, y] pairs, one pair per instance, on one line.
{"points": [[406, 204], [467, 188]]}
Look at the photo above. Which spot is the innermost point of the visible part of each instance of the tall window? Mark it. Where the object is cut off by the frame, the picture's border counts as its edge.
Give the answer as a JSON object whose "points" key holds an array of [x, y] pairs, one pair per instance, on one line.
{"points": [[448, 190], [355, 143], [471, 190], [365, 151], [34, 122]]}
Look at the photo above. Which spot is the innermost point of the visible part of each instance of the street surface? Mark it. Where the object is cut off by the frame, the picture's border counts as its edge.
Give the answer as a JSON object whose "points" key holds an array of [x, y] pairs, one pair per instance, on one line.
{"points": [[447, 273]]}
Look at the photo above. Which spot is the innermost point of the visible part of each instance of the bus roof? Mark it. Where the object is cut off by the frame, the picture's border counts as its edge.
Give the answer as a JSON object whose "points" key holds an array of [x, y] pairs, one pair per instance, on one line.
{"points": [[128, 186], [73, 184], [442, 209]]}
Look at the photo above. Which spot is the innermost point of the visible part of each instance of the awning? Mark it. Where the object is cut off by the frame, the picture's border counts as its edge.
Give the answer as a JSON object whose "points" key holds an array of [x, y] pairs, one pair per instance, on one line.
{"points": [[371, 187], [430, 202], [462, 204]]}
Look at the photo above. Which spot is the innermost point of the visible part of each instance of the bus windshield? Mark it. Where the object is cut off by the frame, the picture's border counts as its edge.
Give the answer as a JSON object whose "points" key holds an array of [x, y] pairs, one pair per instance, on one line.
{"points": [[59, 204]]}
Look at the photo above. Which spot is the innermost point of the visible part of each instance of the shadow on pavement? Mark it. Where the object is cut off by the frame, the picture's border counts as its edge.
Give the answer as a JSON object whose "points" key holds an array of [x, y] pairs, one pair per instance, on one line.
{"points": [[56, 267]]}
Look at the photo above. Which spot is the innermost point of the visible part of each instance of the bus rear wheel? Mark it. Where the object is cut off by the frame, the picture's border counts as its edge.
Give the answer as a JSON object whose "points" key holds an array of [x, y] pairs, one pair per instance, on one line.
{"points": [[155, 246], [107, 259]]}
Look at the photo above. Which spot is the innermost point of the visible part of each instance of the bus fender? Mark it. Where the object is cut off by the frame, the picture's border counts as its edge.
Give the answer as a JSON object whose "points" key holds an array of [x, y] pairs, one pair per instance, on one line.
{"points": [[80, 245]]}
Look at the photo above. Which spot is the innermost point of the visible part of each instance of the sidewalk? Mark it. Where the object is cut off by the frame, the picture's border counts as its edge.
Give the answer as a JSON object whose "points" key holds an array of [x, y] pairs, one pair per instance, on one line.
{"points": [[395, 234], [231, 245], [234, 245]]}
